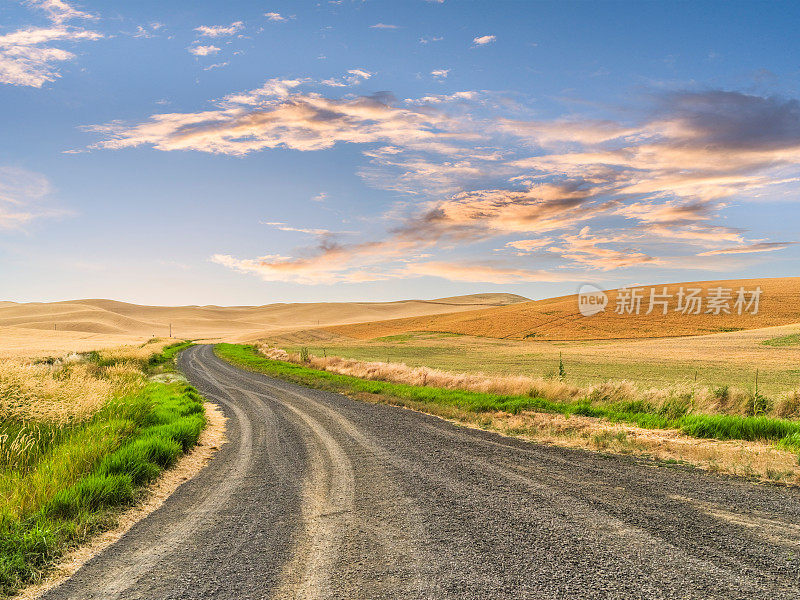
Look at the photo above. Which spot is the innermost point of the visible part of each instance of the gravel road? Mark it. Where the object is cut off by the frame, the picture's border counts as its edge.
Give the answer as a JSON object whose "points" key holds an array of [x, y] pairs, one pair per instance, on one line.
{"points": [[319, 496]]}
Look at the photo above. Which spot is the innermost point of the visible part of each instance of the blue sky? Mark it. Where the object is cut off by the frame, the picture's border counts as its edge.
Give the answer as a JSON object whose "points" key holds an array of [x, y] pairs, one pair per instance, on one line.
{"points": [[257, 152]]}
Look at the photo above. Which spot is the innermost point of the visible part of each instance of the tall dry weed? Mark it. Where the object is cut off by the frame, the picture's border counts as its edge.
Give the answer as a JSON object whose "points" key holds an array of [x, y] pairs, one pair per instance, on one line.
{"points": [[788, 405], [674, 400], [136, 353], [55, 394], [40, 401]]}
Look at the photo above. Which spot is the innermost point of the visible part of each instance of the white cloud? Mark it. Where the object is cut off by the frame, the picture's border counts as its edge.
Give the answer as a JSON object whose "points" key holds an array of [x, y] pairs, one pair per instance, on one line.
{"points": [[147, 31], [203, 50], [440, 73], [59, 11], [750, 248], [353, 77], [277, 17], [525, 246], [273, 88], [215, 66], [28, 58], [465, 96], [321, 197], [23, 195], [284, 227], [219, 30], [383, 26], [484, 39]]}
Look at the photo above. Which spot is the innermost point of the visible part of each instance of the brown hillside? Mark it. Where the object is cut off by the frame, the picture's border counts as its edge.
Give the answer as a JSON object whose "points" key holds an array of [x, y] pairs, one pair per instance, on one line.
{"points": [[560, 319]]}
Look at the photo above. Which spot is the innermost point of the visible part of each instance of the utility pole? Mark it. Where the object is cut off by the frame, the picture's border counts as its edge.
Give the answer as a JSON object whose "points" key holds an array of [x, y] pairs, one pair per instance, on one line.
{"points": [[170, 330]]}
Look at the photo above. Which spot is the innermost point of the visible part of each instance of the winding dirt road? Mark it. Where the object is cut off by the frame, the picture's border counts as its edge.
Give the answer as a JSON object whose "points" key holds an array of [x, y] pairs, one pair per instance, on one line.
{"points": [[319, 496]]}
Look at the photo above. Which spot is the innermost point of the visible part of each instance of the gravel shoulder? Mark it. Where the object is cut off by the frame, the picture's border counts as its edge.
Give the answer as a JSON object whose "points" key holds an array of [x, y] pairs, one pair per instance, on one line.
{"points": [[319, 496]]}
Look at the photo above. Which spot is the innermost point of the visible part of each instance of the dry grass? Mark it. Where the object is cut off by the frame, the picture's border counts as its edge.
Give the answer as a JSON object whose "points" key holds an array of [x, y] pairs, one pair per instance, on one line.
{"points": [[41, 402], [401, 373], [136, 352], [715, 360], [757, 460], [559, 319], [700, 398], [22, 343], [747, 459], [70, 388], [79, 434], [39, 405], [53, 394]]}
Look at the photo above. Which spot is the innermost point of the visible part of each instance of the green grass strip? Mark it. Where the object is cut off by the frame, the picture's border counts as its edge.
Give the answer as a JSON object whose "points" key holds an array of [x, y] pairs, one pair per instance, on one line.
{"points": [[722, 427], [793, 339], [132, 440], [166, 357]]}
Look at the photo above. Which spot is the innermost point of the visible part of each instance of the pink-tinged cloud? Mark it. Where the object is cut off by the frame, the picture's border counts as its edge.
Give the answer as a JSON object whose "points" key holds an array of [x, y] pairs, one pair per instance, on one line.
{"points": [[646, 184], [481, 214], [585, 250], [750, 248], [482, 273], [484, 39], [330, 262], [272, 117]]}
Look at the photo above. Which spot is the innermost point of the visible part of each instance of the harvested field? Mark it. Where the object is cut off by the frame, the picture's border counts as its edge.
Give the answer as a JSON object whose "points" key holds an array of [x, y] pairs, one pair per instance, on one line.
{"points": [[556, 319]]}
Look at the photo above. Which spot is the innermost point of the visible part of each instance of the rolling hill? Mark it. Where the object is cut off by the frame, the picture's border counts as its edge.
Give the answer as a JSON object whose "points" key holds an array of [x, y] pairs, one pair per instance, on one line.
{"points": [[83, 324], [560, 319]]}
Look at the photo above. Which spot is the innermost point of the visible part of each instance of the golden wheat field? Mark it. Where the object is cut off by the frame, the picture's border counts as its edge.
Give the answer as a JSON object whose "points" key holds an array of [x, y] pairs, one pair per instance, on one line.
{"points": [[54, 328], [559, 318]]}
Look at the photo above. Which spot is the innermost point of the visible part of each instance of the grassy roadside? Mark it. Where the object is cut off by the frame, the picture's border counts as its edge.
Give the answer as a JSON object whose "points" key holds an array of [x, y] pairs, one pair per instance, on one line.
{"points": [[729, 360], [448, 402], [61, 480], [165, 360]]}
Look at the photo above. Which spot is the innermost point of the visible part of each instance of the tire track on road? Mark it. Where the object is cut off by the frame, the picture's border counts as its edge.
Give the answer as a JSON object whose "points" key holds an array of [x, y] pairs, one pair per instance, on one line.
{"points": [[320, 496]]}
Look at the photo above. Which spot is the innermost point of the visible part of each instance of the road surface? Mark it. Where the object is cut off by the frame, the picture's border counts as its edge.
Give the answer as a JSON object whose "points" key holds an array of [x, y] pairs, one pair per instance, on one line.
{"points": [[319, 496]]}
